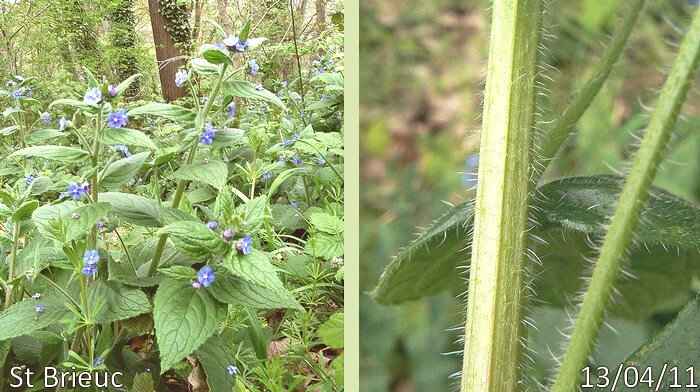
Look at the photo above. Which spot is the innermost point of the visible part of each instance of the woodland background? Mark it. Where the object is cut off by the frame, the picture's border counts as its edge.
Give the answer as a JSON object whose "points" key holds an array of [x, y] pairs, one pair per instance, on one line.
{"points": [[421, 80]]}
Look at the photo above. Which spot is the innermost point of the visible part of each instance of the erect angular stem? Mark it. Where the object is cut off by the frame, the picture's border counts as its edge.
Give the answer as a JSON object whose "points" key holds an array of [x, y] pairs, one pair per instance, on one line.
{"points": [[494, 328], [629, 208]]}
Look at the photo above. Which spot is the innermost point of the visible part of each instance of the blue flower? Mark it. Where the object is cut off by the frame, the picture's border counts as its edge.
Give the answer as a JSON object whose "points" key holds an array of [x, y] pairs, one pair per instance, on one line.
{"points": [[254, 67], [93, 96], [118, 119], [245, 245], [284, 83], [112, 90], [294, 204], [470, 176], [16, 94], [296, 160], [39, 308], [205, 276], [181, 77], [329, 63], [46, 117], [266, 176], [91, 257], [321, 161], [89, 269], [26, 91], [29, 180], [231, 111], [288, 142], [123, 149], [282, 159], [295, 136], [212, 225], [75, 191], [208, 136], [62, 123], [98, 361], [232, 370], [219, 45]]}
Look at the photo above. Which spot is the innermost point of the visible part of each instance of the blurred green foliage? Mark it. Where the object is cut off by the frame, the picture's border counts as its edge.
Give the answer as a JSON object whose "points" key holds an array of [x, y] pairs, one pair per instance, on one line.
{"points": [[422, 65]]}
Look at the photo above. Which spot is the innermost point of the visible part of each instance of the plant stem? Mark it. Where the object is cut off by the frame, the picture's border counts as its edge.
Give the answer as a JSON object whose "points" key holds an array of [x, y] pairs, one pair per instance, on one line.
{"points": [[296, 51], [13, 259], [160, 247], [494, 328], [628, 211], [95, 157], [548, 144]]}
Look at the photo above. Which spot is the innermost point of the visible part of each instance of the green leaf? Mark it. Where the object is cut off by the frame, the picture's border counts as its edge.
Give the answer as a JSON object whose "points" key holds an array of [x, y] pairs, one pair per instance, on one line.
{"points": [[243, 36], [244, 89], [41, 135], [253, 212], [7, 131], [167, 111], [179, 272], [226, 137], [195, 239], [580, 204], [183, 325], [236, 291], [215, 355], [331, 332], [326, 222], [134, 209], [19, 319], [255, 269], [46, 213], [325, 246], [122, 171], [24, 211], [123, 86], [339, 366], [204, 67], [57, 153], [88, 216], [126, 136], [170, 215], [120, 302], [85, 107], [143, 382], [214, 55], [676, 345], [214, 173]]}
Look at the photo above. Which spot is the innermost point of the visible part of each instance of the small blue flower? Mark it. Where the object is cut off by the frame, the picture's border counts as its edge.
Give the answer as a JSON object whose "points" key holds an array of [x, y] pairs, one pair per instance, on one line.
{"points": [[231, 111], [254, 67], [98, 361], [75, 191], [245, 245], [205, 276], [329, 63], [29, 180], [62, 123], [219, 45], [284, 83], [118, 119], [89, 269], [181, 77], [93, 96], [288, 142], [294, 204], [207, 137], [296, 160], [91, 257], [266, 176], [321, 161], [112, 90], [123, 149], [282, 159], [232, 370], [212, 225], [16, 94], [39, 308], [26, 91]]}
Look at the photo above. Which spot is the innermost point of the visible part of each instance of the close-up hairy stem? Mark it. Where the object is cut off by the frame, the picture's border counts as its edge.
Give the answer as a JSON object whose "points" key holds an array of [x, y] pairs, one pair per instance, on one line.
{"points": [[629, 209], [493, 330]]}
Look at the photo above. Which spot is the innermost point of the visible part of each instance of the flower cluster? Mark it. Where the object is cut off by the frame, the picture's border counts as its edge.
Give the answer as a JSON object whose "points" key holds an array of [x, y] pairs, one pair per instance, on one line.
{"points": [[17, 94], [235, 44], [93, 96], [245, 245], [123, 149], [118, 119], [90, 259], [181, 77]]}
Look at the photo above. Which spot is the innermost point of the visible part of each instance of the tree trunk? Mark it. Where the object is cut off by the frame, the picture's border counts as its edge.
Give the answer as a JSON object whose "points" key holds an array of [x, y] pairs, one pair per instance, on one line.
{"points": [[224, 19], [169, 56], [196, 31], [320, 15], [122, 36], [78, 26]]}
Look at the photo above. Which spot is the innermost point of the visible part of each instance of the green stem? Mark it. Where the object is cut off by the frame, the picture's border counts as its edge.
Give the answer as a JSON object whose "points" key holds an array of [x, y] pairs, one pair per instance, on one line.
{"points": [[95, 157], [628, 211], [494, 328], [296, 51], [160, 247], [548, 144], [13, 258], [60, 289]]}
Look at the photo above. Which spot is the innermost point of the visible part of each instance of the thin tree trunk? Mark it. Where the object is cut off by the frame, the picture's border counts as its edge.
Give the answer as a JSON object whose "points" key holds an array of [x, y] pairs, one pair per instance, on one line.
{"points": [[122, 35], [320, 15], [196, 31], [224, 19], [170, 58]]}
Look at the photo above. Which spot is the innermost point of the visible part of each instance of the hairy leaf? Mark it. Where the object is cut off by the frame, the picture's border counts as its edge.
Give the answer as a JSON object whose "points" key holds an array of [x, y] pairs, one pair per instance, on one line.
{"points": [[215, 356], [22, 317], [244, 89], [214, 173], [126, 136], [56, 153], [331, 331], [195, 239], [120, 302], [122, 171], [255, 268], [132, 208], [165, 110], [236, 291]]}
